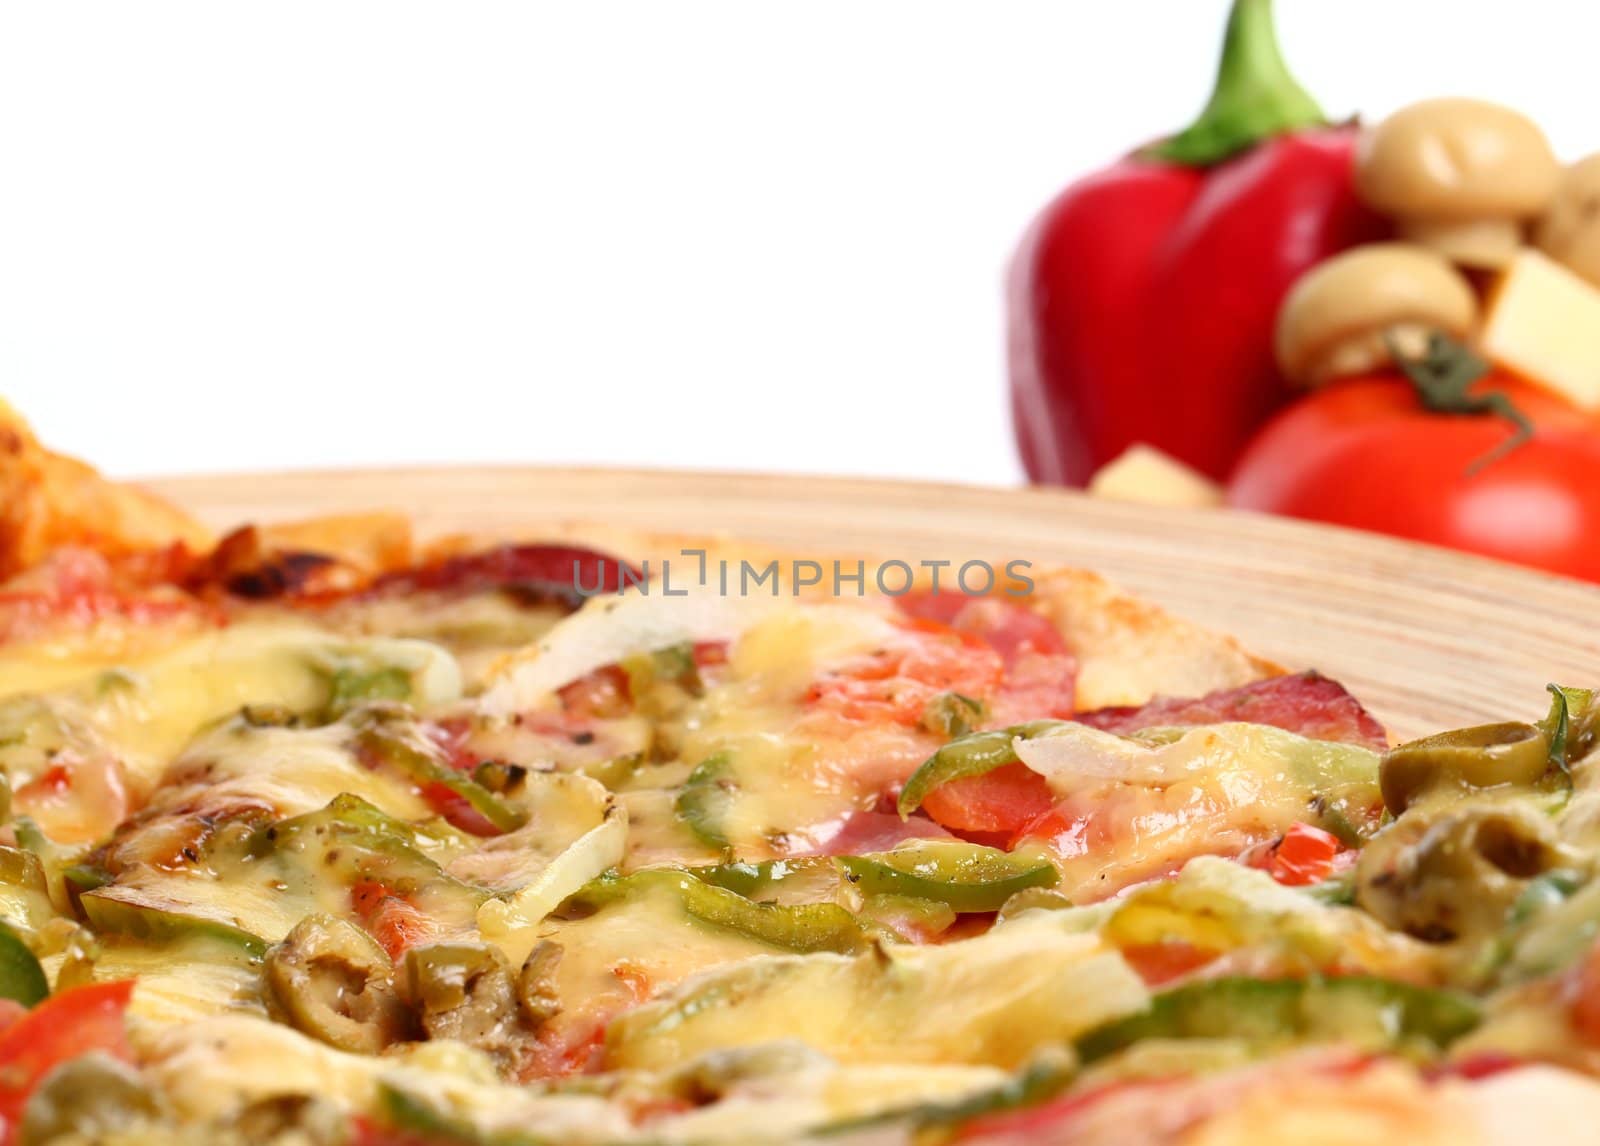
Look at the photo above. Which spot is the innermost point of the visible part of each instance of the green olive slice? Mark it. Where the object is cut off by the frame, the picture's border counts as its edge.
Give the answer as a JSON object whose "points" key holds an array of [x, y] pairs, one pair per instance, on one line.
{"points": [[337, 985], [462, 991], [1487, 756]]}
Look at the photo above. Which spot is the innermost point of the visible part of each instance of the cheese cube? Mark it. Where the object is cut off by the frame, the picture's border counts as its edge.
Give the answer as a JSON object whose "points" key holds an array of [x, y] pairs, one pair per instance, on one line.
{"points": [[1144, 474], [1544, 325]]}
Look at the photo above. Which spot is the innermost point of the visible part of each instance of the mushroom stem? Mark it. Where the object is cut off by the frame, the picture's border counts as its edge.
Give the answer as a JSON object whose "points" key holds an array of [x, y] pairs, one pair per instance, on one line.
{"points": [[1255, 96], [1485, 243]]}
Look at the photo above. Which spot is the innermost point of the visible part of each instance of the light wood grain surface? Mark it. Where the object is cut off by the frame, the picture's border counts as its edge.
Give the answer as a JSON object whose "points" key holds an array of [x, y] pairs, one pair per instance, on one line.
{"points": [[1429, 639]]}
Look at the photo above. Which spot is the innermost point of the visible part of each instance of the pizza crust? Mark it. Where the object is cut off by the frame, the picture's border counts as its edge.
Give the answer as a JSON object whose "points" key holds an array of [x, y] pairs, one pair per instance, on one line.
{"points": [[1128, 649], [49, 500]]}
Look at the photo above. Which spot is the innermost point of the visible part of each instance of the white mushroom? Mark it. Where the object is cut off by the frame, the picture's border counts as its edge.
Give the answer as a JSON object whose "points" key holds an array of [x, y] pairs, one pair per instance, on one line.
{"points": [[1461, 176], [1339, 316], [1570, 229]]}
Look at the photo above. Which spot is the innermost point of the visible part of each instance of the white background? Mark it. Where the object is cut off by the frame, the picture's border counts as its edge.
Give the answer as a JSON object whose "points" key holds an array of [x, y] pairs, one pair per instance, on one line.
{"points": [[734, 234]]}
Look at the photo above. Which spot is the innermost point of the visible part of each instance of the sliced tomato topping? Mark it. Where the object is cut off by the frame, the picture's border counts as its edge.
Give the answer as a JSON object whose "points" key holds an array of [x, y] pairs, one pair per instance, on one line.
{"points": [[1304, 855], [1006, 800], [1161, 963], [396, 924], [456, 810], [601, 695], [62, 1028], [709, 654], [578, 1047]]}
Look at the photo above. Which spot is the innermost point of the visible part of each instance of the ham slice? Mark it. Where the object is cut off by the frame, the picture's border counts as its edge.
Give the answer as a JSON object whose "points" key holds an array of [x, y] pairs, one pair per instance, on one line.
{"points": [[862, 833], [1306, 703]]}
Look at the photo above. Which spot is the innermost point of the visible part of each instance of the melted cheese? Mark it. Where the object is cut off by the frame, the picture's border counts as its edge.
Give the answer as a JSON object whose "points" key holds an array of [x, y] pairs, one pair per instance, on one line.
{"points": [[786, 777], [993, 999], [150, 708], [1147, 804], [512, 924]]}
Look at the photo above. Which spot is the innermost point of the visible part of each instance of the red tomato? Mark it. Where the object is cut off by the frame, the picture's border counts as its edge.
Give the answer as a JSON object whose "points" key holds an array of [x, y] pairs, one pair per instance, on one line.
{"points": [[62, 1028], [1159, 963], [1364, 453], [456, 810], [1303, 856], [396, 924], [1003, 801], [602, 695]]}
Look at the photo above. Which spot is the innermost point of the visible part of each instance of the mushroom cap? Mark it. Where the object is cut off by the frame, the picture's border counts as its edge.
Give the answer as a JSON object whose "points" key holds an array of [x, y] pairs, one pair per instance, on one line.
{"points": [[1570, 229], [1334, 319], [1456, 159]]}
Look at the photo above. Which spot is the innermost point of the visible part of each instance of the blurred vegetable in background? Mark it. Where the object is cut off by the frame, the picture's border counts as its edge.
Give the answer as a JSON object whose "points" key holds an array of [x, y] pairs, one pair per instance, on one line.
{"points": [[1375, 452], [1395, 328], [1142, 301]]}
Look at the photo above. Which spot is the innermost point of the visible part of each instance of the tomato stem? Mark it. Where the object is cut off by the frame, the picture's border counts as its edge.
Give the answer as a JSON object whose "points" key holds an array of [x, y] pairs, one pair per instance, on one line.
{"points": [[1443, 376]]}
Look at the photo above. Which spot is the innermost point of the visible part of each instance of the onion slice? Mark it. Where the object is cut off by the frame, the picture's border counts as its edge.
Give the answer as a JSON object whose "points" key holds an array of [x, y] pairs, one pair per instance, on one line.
{"points": [[512, 924], [606, 630]]}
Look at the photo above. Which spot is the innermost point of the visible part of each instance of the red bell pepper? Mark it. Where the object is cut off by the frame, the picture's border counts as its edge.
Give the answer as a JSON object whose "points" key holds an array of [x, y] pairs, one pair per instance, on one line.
{"points": [[1142, 301]]}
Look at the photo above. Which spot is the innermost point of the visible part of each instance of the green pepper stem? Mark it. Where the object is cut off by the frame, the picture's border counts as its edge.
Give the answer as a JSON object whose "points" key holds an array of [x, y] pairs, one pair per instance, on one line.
{"points": [[1255, 96]]}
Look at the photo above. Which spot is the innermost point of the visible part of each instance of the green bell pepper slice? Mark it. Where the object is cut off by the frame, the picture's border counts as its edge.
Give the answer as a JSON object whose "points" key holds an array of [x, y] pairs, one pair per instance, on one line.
{"points": [[803, 927], [967, 877], [1378, 1013], [389, 744], [21, 977], [971, 755], [707, 796], [124, 911]]}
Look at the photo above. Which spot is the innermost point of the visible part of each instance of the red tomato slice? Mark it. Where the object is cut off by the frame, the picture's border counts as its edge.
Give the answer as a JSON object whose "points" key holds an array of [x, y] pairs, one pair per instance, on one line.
{"points": [[602, 695], [457, 811], [62, 1028], [1160, 963], [396, 924], [1003, 801], [1304, 855]]}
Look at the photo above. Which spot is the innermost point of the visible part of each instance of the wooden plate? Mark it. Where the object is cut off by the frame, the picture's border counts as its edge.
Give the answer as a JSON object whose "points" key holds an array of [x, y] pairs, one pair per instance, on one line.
{"points": [[1428, 638]]}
